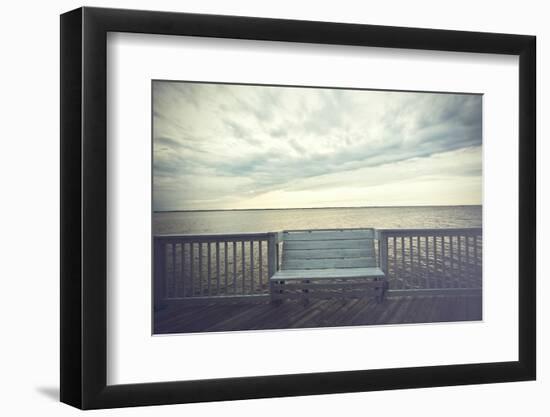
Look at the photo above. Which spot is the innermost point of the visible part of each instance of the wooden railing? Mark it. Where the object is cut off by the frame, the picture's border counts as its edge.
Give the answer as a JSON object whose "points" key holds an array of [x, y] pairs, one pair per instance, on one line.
{"points": [[214, 265], [431, 260], [235, 266]]}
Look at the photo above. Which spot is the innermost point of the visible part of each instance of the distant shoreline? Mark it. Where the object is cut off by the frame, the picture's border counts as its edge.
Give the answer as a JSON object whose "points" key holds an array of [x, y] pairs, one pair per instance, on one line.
{"points": [[310, 208]]}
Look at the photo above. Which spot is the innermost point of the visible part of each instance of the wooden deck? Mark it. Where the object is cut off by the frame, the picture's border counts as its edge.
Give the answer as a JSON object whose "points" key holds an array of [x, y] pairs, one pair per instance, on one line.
{"points": [[182, 317]]}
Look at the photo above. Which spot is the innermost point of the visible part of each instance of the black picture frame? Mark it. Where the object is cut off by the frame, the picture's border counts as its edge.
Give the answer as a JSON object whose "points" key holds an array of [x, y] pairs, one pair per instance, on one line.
{"points": [[84, 207]]}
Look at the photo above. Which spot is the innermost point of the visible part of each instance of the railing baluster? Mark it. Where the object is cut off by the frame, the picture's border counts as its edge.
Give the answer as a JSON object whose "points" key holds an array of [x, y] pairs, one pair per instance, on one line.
{"points": [[426, 269], [452, 252], [480, 258], [448, 262], [470, 257], [386, 263], [191, 267], [437, 274], [444, 262], [460, 274], [393, 260], [457, 263], [475, 252], [411, 260], [403, 261], [395, 276], [225, 266], [469, 260], [261, 268], [200, 268], [416, 251], [418, 263], [217, 268], [468, 269], [383, 249], [474, 255], [251, 266], [243, 263], [277, 256], [209, 252], [174, 280], [435, 269], [235, 267], [183, 268], [455, 271]]}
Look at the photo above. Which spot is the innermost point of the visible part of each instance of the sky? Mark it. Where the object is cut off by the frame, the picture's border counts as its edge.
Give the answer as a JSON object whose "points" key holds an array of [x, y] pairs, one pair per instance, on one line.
{"points": [[222, 146]]}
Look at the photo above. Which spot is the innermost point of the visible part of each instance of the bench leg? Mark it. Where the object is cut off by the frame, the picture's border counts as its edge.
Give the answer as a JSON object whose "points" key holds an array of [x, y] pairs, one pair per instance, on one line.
{"points": [[381, 291], [276, 292], [305, 293], [272, 289]]}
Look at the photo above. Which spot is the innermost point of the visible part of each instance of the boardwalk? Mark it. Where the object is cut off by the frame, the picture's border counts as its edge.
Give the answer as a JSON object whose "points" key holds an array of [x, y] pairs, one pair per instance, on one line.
{"points": [[184, 317]]}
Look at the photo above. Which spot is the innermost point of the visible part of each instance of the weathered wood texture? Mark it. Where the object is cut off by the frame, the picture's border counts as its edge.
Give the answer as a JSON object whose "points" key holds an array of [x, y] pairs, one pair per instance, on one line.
{"points": [[326, 249], [199, 266], [313, 261], [241, 264], [431, 258], [328, 273], [186, 317]]}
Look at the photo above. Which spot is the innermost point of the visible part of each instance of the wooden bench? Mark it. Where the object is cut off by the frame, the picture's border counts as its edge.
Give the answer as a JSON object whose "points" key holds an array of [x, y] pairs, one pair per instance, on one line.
{"points": [[328, 263]]}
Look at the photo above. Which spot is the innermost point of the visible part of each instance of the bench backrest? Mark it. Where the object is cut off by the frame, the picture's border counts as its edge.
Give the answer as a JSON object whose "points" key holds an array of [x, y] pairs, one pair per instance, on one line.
{"points": [[328, 249]]}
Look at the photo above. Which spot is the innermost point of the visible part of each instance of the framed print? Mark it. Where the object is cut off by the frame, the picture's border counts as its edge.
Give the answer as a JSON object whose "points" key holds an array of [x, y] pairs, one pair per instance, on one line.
{"points": [[260, 207]]}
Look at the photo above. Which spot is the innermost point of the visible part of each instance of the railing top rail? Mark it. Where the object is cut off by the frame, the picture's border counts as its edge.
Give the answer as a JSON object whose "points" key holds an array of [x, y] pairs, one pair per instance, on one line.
{"points": [[214, 236], [266, 235], [431, 232]]}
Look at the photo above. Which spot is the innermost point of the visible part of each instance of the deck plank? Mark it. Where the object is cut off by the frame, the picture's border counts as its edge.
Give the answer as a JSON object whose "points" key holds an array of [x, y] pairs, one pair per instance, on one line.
{"points": [[364, 316], [331, 313], [239, 319], [185, 318], [390, 305]]}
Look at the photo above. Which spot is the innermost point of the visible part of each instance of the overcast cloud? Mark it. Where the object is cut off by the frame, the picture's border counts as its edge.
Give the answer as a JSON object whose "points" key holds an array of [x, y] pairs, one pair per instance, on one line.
{"points": [[229, 146]]}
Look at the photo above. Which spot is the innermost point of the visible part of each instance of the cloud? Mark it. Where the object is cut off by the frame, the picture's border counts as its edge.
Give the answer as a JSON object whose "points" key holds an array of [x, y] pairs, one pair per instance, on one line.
{"points": [[226, 146]]}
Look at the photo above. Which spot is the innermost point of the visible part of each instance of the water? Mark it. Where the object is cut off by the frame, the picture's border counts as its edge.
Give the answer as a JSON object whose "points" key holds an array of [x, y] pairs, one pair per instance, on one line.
{"points": [[243, 221]]}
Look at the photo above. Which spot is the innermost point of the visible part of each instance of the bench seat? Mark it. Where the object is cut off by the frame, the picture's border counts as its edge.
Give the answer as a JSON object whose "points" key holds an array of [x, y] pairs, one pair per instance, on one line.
{"points": [[342, 273]]}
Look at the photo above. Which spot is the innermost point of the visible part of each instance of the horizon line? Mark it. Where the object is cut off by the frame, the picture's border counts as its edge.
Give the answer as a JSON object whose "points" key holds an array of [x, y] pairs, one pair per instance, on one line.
{"points": [[311, 208]]}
